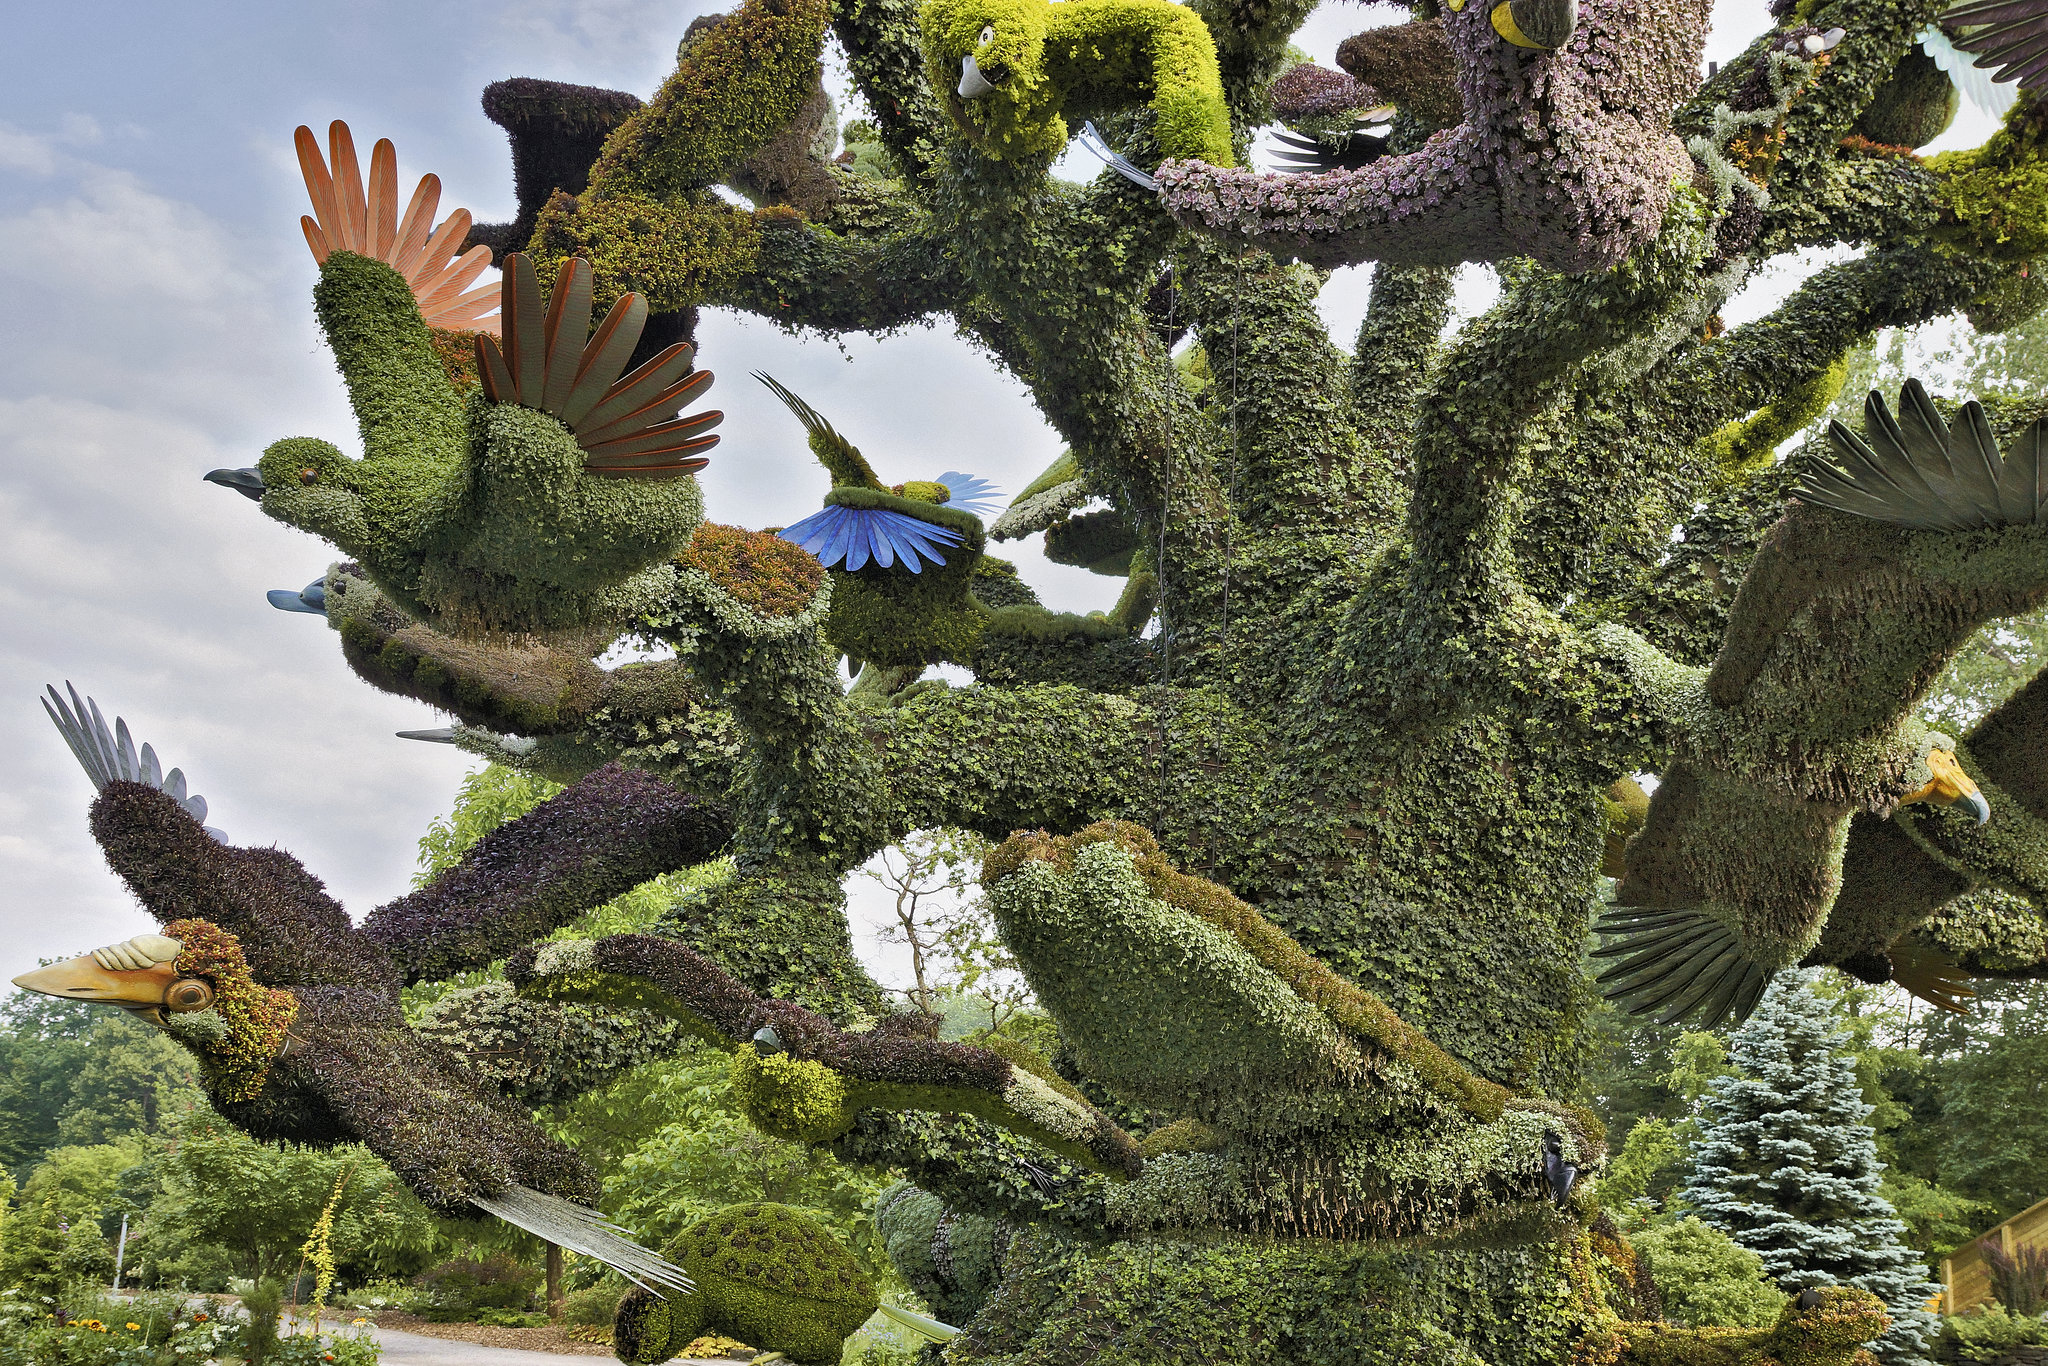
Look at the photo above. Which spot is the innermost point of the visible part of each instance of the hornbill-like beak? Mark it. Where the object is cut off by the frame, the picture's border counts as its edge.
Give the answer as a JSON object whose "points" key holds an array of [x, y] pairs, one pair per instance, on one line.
{"points": [[1949, 785], [973, 85], [1545, 25], [247, 481], [138, 975]]}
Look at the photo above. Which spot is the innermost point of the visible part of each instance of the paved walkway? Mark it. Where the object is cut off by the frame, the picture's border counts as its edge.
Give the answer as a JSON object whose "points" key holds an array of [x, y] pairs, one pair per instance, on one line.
{"points": [[410, 1349]]}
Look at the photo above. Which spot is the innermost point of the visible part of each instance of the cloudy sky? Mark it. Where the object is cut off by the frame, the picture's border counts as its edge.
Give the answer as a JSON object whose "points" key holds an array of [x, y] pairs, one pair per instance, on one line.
{"points": [[155, 323]]}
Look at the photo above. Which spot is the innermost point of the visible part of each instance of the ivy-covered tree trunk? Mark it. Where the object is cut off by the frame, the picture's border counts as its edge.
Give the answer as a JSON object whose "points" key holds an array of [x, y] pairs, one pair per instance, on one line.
{"points": [[1305, 876]]}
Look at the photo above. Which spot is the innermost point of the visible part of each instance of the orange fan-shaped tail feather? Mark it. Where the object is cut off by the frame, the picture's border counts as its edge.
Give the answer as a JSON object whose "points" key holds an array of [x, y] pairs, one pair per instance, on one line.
{"points": [[629, 426], [349, 215]]}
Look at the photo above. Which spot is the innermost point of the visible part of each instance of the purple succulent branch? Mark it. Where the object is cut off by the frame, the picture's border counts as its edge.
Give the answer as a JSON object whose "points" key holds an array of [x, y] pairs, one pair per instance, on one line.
{"points": [[1564, 156], [610, 832]]}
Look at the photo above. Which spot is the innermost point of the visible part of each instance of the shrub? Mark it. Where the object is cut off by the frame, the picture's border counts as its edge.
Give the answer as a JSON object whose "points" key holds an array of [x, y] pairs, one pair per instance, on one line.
{"points": [[463, 1285], [2019, 1281], [1990, 1335], [592, 1308], [259, 1339], [1707, 1279]]}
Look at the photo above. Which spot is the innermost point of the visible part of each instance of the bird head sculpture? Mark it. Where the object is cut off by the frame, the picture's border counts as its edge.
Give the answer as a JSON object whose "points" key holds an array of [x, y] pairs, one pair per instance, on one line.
{"points": [[902, 556], [194, 983], [1948, 785], [554, 492], [1016, 74]]}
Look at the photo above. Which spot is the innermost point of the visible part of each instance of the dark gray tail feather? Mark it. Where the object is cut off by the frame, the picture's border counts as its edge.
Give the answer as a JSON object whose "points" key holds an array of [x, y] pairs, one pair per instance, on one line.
{"points": [[1683, 963], [570, 1225]]}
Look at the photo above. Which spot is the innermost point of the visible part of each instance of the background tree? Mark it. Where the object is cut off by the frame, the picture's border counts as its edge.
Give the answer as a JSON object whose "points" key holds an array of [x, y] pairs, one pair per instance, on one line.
{"points": [[1786, 1166]]}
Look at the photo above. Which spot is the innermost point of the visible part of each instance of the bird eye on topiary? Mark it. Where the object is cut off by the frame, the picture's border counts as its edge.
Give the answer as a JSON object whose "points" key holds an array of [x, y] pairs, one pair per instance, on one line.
{"points": [[188, 994]]}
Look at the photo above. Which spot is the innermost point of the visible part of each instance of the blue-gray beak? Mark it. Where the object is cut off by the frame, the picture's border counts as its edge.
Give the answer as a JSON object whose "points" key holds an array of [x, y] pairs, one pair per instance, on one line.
{"points": [[248, 481], [312, 598]]}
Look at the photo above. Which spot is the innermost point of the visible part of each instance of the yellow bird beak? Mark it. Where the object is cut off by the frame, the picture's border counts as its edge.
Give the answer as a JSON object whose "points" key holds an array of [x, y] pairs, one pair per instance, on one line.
{"points": [[1949, 785], [141, 990]]}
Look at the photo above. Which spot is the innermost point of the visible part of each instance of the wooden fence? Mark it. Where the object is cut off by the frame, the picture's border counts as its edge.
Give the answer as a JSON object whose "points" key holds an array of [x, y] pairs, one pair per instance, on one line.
{"points": [[1966, 1280]]}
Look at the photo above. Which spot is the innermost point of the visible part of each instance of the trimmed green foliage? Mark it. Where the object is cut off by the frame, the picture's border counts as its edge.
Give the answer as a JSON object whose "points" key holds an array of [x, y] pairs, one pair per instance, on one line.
{"points": [[763, 1273], [1706, 1278], [1054, 66]]}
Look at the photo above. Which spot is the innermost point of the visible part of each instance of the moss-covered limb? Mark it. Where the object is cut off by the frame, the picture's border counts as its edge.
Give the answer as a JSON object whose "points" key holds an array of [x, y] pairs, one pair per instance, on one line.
{"points": [[994, 760], [1292, 454], [750, 612], [1855, 198], [293, 933], [1251, 41], [980, 1169], [807, 275], [539, 1052], [1991, 934], [1832, 1333], [815, 1077], [885, 55], [781, 929], [733, 87], [1101, 654], [524, 689], [1472, 445], [1396, 350], [1748, 369], [1069, 269], [606, 835], [1890, 885]]}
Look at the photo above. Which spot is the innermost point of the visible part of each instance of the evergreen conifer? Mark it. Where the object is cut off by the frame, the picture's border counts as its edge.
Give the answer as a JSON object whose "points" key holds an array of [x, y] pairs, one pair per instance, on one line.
{"points": [[1785, 1166]]}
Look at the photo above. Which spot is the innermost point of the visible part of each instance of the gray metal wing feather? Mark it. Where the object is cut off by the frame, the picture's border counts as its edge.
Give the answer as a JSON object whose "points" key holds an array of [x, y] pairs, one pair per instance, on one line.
{"points": [[1916, 471], [109, 754]]}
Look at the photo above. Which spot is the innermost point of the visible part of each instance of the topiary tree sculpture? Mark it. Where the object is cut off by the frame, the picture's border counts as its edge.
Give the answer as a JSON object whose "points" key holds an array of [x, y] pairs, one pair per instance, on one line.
{"points": [[1305, 875]]}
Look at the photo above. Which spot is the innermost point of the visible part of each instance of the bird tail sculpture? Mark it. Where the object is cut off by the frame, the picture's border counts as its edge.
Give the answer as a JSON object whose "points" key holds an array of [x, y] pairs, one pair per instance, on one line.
{"points": [[570, 1225]]}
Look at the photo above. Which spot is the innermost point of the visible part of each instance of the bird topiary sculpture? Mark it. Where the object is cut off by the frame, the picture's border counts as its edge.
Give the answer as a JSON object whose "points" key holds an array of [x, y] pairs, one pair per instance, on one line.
{"points": [[1301, 847]]}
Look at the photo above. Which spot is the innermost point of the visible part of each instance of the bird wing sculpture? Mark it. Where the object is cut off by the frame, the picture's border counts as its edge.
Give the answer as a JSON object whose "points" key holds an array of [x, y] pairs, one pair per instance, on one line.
{"points": [[2006, 36], [1874, 577], [903, 557], [293, 1013], [1564, 154], [439, 509], [1994, 93]]}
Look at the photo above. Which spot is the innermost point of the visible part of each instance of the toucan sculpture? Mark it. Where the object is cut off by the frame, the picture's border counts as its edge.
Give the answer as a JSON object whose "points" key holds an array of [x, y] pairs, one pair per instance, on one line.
{"points": [[293, 1013]]}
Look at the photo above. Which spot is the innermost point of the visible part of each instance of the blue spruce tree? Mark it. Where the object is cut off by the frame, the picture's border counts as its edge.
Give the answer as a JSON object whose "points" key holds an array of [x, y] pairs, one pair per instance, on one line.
{"points": [[1785, 1166]]}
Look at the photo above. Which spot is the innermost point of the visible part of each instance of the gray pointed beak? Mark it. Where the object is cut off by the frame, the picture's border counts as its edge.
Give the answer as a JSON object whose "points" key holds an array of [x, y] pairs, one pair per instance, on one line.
{"points": [[440, 735], [248, 482], [1975, 801], [973, 85]]}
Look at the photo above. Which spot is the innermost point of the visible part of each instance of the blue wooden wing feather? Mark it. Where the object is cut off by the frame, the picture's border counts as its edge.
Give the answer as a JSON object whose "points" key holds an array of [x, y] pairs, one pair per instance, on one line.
{"points": [[851, 536]]}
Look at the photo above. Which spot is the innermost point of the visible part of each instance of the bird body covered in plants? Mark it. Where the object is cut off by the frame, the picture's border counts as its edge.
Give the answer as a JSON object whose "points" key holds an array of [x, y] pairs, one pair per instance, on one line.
{"points": [[1018, 74], [903, 557], [440, 508], [292, 1011]]}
